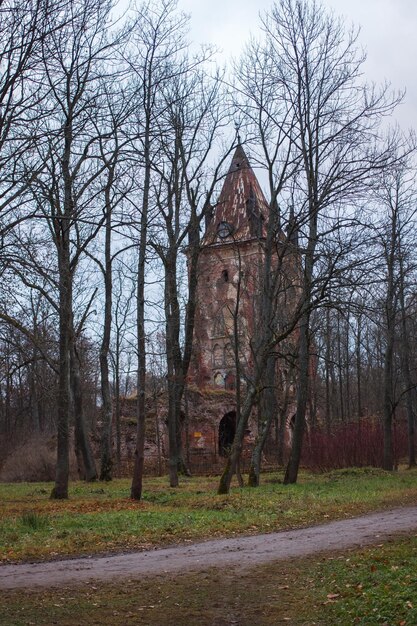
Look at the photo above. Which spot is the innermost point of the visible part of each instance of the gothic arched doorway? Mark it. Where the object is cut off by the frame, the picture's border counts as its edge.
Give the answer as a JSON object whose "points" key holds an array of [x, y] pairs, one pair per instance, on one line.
{"points": [[227, 429]]}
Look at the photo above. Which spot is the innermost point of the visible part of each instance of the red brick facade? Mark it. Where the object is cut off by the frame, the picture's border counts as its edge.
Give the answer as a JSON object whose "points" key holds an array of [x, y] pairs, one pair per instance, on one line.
{"points": [[229, 268]]}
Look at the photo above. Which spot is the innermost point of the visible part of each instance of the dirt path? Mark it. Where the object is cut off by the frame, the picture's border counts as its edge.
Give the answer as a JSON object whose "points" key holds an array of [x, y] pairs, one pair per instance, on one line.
{"points": [[240, 551]]}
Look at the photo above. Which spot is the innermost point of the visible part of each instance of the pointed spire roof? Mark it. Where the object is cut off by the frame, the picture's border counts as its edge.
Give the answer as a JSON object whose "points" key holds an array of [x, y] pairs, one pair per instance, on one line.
{"points": [[241, 210], [239, 160]]}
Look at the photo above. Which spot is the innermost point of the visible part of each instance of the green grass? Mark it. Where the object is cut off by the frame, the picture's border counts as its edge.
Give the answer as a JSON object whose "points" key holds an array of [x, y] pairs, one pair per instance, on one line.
{"points": [[367, 587], [101, 517], [33, 521]]}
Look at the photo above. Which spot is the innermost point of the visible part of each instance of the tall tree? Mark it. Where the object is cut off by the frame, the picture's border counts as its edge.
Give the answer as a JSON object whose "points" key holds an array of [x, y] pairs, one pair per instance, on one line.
{"points": [[157, 40], [193, 115], [314, 72], [117, 182], [396, 198], [73, 60]]}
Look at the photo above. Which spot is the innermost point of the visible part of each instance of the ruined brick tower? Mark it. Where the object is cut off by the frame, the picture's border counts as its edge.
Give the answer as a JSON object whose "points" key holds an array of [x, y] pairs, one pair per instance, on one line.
{"points": [[229, 269]]}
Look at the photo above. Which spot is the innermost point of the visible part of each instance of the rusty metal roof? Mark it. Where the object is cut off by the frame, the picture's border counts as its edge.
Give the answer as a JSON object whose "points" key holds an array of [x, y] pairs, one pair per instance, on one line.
{"points": [[241, 210]]}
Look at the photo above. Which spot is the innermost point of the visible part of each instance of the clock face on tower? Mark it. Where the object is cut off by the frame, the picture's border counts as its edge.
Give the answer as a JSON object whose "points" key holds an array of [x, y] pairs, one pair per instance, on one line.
{"points": [[224, 229]]}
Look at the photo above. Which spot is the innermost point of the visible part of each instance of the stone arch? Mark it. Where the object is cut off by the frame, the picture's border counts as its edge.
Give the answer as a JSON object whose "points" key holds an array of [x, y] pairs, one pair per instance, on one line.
{"points": [[227, 429]]}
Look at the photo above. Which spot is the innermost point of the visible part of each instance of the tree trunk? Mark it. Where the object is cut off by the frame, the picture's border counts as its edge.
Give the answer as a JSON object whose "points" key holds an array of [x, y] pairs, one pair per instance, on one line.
{"points": [[107, 405], [87, 466], [269, 406], [236, 450], [34, 403], [117, 408], [60, 490], [390, 310], [347, 367], [359, 366], [405, 364], [136, 488], [291, 473], [388, 460]]}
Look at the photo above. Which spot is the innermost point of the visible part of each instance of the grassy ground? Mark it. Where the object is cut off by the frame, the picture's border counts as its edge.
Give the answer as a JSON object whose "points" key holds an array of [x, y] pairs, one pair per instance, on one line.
{"points": [[369, 587], [101, 518]]}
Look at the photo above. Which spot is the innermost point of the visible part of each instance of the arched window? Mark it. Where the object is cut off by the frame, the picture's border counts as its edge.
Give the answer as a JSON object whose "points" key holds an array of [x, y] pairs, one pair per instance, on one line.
{"points": [[217, 355], [228, 355], [219, 326], [218, 379]]}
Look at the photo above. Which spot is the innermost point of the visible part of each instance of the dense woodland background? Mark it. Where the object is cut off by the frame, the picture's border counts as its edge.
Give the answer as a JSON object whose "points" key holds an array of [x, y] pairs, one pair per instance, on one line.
{"points": [[115, 136]]}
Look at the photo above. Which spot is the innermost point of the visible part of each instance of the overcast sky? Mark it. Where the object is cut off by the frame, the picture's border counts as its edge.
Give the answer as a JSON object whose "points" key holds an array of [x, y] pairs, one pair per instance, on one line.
{"points": [[388, 33]]}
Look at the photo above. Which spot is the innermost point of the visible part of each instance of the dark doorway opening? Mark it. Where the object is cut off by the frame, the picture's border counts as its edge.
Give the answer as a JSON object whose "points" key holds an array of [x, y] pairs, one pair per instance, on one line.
{"points": [[230, 381], [227, 429]]}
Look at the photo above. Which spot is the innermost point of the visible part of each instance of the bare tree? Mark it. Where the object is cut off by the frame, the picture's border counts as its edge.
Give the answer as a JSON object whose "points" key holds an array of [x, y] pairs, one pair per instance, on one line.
{"points": [[73, 58], [124, 291], [194, 114], [158, 39], [314, 73], [114, 144], [23, 28], [396, 198]]}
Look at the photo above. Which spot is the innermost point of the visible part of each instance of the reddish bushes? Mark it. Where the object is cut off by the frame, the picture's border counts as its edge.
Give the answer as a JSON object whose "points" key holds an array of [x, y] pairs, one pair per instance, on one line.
{"points": [[356, 444]]}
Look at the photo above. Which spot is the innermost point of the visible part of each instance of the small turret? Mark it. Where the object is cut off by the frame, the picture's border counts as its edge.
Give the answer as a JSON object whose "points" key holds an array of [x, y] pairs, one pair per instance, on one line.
{"points": [[292, 228]]}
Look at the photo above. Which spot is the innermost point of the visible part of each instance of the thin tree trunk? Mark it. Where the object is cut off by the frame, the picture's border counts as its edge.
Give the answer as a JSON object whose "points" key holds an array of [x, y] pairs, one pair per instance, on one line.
{"points": [[347, 368], [60, 490], [388, 460], [107, 405], [117, 407], [87, 466], [236, 449], [268, 403], [388, 403], [34, 404], [291, 472], [405, 363], [359, 367], [136, 488], [340, 368], [172, 322]]}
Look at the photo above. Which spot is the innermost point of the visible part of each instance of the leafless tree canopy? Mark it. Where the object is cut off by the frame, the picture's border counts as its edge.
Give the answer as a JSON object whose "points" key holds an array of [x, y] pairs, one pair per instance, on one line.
{"points": [[115, 138]]}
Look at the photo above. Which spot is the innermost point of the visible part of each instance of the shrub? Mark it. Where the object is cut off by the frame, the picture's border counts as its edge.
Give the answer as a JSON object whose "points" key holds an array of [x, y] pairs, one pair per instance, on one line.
{"points": [[34, 461], [354, 444]]}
